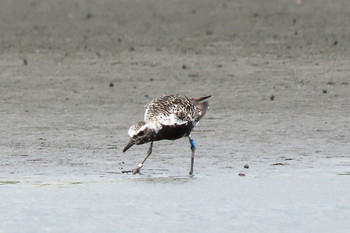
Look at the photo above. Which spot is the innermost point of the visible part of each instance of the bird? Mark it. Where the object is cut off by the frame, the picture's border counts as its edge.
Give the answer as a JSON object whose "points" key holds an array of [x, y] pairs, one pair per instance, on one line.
{"points": [[168, 117]]}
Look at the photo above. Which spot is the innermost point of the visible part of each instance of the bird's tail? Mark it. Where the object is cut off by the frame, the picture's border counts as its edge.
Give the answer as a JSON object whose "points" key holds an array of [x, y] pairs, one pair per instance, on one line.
{"points": [[201, 98], [203, 106]]}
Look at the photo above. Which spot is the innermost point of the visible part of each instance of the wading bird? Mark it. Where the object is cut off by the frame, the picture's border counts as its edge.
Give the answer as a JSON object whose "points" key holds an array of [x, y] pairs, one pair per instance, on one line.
{"points": [[167, 117]]}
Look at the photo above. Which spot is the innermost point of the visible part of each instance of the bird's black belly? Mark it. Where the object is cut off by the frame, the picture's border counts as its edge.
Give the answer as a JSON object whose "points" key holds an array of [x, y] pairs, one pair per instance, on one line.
{"points": [[174, 132]]}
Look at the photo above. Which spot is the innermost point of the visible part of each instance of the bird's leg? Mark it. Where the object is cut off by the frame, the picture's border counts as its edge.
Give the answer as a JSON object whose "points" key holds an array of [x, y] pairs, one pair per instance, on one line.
{"points": [[137, 170], [193, 149]]}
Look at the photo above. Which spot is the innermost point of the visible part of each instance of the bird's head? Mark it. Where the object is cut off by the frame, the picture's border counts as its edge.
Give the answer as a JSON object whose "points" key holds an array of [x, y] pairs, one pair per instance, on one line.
{"points": [[140, 133]]}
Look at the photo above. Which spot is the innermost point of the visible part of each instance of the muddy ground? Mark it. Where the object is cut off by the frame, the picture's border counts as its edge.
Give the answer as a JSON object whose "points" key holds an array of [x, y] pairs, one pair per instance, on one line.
{"points": [[74, 75]]}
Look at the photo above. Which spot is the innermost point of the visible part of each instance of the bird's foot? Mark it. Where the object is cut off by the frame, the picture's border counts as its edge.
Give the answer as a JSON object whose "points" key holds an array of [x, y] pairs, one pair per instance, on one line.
{"points": [[134, 171]]}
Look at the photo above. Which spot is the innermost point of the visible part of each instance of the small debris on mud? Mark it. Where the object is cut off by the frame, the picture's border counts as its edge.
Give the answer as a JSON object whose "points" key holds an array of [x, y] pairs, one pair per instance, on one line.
{"points": [[193, 75], [246, 166], [272, 97], [241, 174], [324, 91], [89, 15], [279, 164], [111, 84]]}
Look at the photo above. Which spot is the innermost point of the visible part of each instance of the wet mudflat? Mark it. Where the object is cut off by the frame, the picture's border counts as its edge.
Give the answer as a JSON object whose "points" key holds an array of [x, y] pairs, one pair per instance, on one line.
{"points": [[274, 203], [272, 151]]}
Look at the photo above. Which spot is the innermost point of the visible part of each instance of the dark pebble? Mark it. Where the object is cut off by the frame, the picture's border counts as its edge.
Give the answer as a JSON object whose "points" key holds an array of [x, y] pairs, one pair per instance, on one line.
{"points": [[241, 174], [324, 91], [111, 84], [272, 97], [88, 15], [25, 62], [184, 67], [246, 166]]}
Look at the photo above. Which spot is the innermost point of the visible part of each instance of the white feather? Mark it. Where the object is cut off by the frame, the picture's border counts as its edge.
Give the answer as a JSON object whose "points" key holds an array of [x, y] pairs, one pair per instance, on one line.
{"points": [[171, 119]]}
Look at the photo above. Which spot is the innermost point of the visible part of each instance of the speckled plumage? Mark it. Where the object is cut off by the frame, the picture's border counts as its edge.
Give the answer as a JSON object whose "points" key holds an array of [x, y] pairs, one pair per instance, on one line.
{"points": [[173, 109], [167, 117]]}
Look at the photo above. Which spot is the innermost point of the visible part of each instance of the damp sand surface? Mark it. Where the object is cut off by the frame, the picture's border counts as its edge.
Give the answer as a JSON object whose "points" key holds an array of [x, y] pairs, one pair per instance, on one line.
{"points": [[272, 151]]}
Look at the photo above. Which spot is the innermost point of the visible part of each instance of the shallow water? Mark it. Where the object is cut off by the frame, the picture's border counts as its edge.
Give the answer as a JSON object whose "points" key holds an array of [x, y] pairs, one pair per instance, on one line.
{"points": [[273, 202]]}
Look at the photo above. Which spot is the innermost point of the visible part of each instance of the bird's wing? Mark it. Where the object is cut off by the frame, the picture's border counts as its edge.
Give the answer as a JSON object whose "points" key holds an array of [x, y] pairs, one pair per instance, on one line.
{"points": [[170, 110]]}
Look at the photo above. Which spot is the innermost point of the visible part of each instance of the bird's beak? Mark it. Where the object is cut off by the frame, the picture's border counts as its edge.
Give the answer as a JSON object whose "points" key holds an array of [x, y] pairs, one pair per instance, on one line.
{"points": [[130, 144]]}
